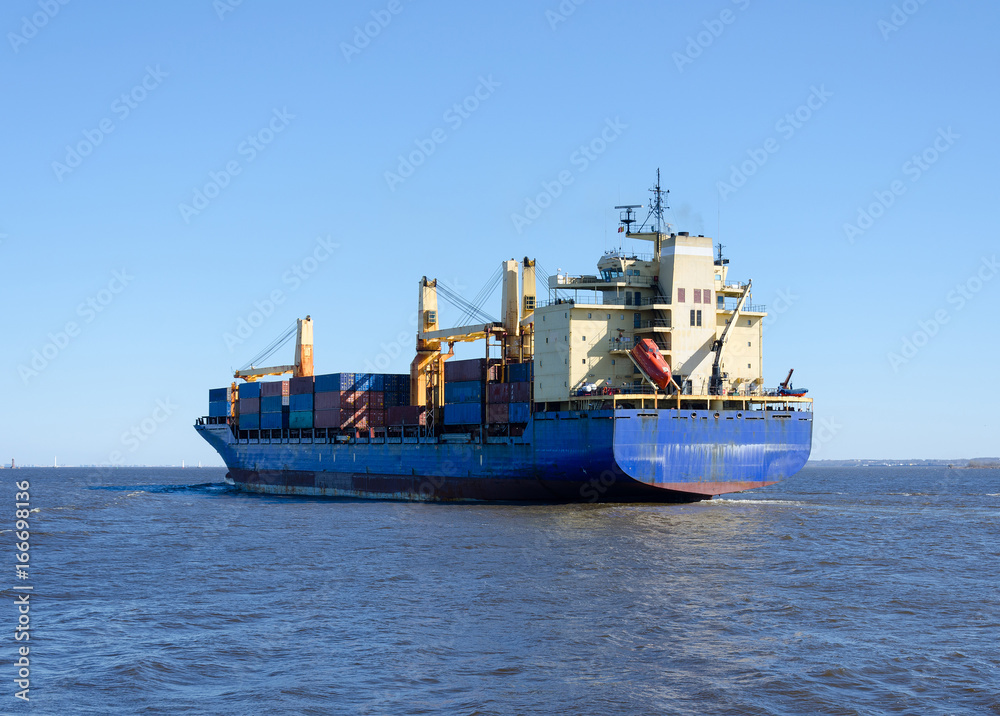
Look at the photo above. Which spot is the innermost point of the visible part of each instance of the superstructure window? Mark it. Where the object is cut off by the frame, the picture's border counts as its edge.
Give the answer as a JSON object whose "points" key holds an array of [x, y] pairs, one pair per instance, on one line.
{"points": [[697, 295], [692, 316], [680, 295], [699, 318]]}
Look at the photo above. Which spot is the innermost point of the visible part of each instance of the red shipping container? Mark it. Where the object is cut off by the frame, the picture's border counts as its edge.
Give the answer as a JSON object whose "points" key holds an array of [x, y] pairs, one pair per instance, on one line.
{"points": [[376, 418], [352, 418], [462, 370], [406, 415], [300, 386], [520, 392], [326, 401], [376, 400], [497, 413], [497, 393], [273, 388], [326, 419]]}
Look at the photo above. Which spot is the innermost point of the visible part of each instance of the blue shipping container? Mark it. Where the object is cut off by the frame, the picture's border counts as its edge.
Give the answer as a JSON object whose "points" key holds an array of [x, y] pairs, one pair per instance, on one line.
{"points": [[463, 414], [329, 383], [250, 422], [519, 412], [467, 391], [521, 372], [218, 395], [300, 403], [273, 421], [249, 390], [271, 403], [218, 410]]}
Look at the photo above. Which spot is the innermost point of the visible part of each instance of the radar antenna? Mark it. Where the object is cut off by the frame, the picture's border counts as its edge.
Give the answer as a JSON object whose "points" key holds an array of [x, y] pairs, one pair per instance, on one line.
{"points": [[627, 218]]}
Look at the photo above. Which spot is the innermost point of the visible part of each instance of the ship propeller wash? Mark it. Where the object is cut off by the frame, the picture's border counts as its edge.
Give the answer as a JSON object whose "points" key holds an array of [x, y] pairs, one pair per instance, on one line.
{"points": [[642, 382]]}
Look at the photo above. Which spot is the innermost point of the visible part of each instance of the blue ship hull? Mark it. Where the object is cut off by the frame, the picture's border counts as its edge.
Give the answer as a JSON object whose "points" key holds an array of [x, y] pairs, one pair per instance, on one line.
{"points": [[571, 456]]}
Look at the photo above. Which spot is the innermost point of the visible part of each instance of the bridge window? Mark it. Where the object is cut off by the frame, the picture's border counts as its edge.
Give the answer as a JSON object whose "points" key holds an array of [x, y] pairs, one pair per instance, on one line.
{"points": [[697, 295], [680, 295]]}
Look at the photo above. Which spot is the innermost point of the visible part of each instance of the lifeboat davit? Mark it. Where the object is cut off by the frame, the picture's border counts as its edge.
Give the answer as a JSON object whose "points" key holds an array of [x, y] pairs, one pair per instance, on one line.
{"points": [[648, 356]]}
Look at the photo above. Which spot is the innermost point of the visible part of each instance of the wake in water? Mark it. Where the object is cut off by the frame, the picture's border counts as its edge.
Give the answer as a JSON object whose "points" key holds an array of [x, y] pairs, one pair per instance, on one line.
{"points": [[207, 488]]}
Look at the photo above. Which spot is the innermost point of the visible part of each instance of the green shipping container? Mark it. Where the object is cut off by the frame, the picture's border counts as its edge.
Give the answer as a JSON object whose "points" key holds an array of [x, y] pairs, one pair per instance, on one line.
{"points": [[300, 419]]}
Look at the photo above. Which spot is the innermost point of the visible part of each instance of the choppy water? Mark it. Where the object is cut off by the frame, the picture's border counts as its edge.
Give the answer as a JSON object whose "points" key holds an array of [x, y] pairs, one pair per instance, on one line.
{"points": [[860, 591]]}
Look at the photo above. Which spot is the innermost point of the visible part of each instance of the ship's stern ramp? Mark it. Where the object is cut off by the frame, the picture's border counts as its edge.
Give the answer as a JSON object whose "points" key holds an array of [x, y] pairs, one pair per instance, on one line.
{"points": [[711, 452]]}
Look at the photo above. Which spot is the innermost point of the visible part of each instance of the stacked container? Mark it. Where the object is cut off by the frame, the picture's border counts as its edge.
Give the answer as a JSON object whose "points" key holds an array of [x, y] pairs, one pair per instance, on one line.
{"points": [[300, 403], [464, 388], [274, 405], [219, 402], [248, 406]]}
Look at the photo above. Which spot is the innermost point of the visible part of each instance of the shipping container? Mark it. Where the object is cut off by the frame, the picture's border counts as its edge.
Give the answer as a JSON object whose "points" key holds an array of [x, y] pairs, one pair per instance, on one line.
{"points": [[464, 370], [497, 413], [285, 400], [326, 401], [301, 386], [270, 404], [218, 410], [350, 419], [329, 383], [376, 400], [463, 414], [249, 390], [250, 422], [219, 395], [273, 388], [498, 393], [520, 392], [469, 391], [397, 398], [249, 405], [300, 419], [326, 419], [521, 372], [300, 403], [406, 415], [376, 418], [519, 412], [273, 421]]}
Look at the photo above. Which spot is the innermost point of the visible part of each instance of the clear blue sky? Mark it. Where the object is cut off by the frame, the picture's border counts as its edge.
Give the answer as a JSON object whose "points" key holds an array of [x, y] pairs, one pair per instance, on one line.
{"points": [[699, 87]]}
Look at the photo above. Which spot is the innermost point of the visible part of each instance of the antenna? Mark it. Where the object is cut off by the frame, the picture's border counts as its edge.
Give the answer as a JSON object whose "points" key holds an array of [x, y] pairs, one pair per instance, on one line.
{"points": [[659, 204], [721, 261]]}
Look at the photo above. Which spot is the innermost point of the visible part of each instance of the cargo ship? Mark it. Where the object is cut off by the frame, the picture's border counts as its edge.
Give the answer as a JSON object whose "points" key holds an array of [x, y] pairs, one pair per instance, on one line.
{"points": [[642, 382]]}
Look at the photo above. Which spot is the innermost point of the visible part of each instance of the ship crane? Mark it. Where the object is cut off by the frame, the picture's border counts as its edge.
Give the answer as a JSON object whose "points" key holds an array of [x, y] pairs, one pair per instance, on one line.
{"points": [[715, 383], [303, 355]]}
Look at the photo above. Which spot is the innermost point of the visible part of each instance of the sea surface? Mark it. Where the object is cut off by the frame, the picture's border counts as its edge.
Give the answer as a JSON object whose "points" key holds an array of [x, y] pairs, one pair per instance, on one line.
{"points": [[840, 591]]}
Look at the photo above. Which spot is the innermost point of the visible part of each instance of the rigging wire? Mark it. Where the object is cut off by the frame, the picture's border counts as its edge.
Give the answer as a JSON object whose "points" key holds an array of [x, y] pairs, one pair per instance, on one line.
{"points": [[272, 347]]}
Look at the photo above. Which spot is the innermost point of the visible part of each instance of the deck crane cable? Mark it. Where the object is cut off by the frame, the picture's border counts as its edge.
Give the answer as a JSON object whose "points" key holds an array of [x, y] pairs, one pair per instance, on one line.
{"points": [[485, 293], [462, 304], [272, 347]]}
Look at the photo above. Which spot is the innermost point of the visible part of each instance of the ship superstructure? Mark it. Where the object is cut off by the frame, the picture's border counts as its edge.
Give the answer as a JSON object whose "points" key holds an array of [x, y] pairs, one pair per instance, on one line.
{"points": [[642, 381]]}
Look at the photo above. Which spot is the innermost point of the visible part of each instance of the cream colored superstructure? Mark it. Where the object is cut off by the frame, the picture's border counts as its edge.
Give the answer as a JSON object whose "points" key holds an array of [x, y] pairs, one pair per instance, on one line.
{"points": [[679, 296]]}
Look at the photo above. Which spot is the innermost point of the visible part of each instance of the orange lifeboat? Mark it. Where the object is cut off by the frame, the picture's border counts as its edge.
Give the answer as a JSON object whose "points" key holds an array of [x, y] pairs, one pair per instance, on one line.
{"points": [[648, 356]]}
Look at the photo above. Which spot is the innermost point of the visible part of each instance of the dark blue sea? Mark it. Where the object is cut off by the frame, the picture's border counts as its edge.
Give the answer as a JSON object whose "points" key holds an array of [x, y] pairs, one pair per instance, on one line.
{"points": [[840, 591]]}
